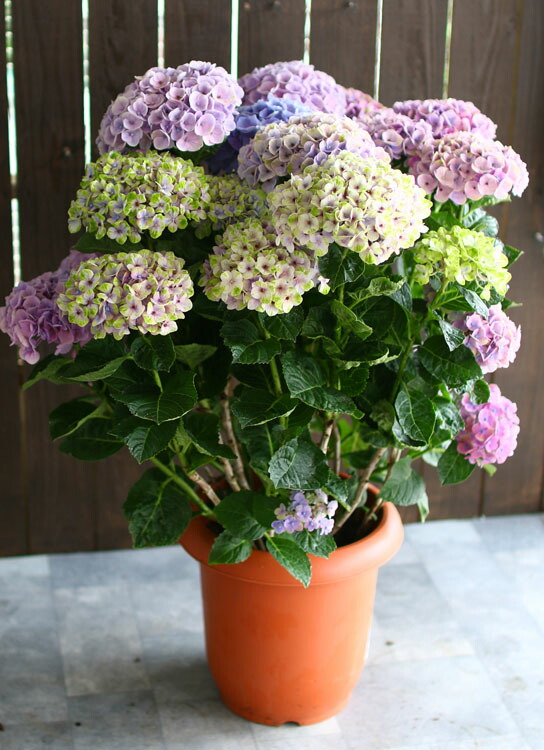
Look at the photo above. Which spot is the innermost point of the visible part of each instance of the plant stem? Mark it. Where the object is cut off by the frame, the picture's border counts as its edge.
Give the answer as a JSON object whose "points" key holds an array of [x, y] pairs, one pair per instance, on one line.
{"points": [[232, 443], [361, 487], [157, 378], [206, 488], [276, 376], [185, 487], [327, 432], [337, 448], [229, 475]]}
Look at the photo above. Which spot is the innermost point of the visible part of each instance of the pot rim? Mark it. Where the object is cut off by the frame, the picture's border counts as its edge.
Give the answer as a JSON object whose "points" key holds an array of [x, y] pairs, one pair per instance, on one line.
{"points": [[367, 553]]}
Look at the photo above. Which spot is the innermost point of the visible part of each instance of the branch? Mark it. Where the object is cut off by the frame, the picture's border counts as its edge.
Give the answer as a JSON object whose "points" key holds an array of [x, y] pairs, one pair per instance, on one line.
{"points": [[226, 419], [337, 449], [206, 488], [229, 475], [327, 432], [363, 484]]}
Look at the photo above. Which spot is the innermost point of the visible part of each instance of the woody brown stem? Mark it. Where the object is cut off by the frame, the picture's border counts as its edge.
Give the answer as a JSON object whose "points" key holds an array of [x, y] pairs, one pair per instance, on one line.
{"points": [[206, 488], [361, 487], [229, 475], [327, 432], [337, 449], [226, 419]]}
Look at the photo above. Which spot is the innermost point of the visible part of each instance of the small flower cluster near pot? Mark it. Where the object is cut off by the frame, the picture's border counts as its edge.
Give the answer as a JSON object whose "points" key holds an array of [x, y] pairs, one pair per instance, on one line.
{"points": [[283, 291]]}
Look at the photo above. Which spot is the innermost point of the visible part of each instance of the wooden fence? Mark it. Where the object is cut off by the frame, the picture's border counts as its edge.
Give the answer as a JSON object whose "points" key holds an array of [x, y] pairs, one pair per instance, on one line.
{"points": [[490, 51]]}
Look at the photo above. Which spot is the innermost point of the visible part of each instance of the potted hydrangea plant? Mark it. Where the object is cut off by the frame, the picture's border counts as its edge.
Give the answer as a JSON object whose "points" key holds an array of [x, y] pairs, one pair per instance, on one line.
{"points": [[283, 293]]}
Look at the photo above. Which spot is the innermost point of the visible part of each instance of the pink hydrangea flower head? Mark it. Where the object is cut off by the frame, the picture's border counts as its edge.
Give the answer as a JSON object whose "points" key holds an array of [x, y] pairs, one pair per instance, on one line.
{"points": [[359, 104], [289, 147], [185, 108], [294, 80], [494, 340], [491, 429], [447, 116], [397, 134], [31, 316], [464, 165]]}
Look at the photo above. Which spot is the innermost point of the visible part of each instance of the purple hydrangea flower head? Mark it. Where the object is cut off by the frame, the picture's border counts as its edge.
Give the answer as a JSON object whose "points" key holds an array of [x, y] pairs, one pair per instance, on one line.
{"points": [[249, 270], [361, 204], [123, 195], [120, 292], [294, 80], [31, 316], [289, 147], [465, 165], [359, 104], [447, 116], [397, 134], [311, 510], [185, 108], [491, 429], [494, 340], [250, 118]]}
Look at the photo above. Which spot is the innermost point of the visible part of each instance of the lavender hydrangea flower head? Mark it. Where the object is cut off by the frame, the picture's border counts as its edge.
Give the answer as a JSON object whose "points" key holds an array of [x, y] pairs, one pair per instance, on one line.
{"points": [[250, 118], [311, 510], [123, 195], [359, 104], [494, 340], [248, 270], [491, 429], [289, 147], [294, 80], [397, 134], [117, 293], [185, 108], [31, 316], [447, 116], [461, 255], [361, 204], [465, 166]]}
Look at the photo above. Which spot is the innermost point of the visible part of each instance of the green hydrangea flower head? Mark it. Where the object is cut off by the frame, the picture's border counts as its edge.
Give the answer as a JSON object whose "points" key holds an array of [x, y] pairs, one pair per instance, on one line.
{"points": [[231, 200], [461, 255], [122, 195]]}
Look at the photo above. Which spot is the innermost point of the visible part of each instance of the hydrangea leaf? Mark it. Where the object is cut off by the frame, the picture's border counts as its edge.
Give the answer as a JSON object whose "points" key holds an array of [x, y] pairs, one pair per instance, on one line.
{"points": [[153, 352], [291, 557], [253, 406], [315, 543], [416, 414], [98, 360], [286, 326], [228, 549], [449, 415], [49, 368], [88, 243], [481, 392], [453, 467], [157, 510], [378, 286], [453, 336], [67, 417], [148, 439], [193, 355], [299, 465], [349, 320], [474, 301], [339, 269], [353, 381], [453, 368], [92, 441], [404, 486], [480, 221], [149, 402], [256, 376], [203, 430], [320, 323], [236, 513], [247, 348]]}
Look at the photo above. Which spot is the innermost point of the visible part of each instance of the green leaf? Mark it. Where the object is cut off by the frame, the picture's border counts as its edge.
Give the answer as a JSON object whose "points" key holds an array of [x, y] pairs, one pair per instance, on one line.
{"points": [[291, 557], [512, 254], [454, 368], [203, 429], [475, 302], [88, 243], [50, 368], [256, 376], [253, 406], [286, 326], [193, 355], [228, 549], [315, 543], [379, 286], [148, 439], [453, 467], [153, 352], [98, 360], [371, 352], [416, 414], [405, 486], [453, 336], [353, 381], [349, 320], [383, 413], [299, 465], [340, 266], [236, 513], [92, 441], [157, 510], [403, 297], [260, 446], [320, 323], [67, 417], [247, 348], [480, 221], [481, 392], [149, 402], [306, 380], [449, 415]]}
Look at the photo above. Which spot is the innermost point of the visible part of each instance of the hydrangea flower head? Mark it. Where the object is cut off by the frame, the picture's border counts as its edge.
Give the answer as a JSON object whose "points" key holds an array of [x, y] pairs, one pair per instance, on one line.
{"points": [[248, 270], [464, 166], [232, 200], [289, 147], [31, 316], [117, 293], [359, 104], [494, 340], [294, 80], [462, 255], [185, 108], [397, 134], [447, 116], [123, 195], [361, 204], [311, 510], [491, 430], [249, 118]]}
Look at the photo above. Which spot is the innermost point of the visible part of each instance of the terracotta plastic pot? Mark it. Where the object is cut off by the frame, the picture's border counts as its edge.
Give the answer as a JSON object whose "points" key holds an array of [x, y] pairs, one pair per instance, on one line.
{"points": [[279, 652]]}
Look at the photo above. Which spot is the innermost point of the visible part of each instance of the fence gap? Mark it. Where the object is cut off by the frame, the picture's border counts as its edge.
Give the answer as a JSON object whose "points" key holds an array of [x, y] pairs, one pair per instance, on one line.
{"points": [[87, 126], [447, 50], [378, 49], [234, 31], [160, 33], [307, 31], [12, 145]]}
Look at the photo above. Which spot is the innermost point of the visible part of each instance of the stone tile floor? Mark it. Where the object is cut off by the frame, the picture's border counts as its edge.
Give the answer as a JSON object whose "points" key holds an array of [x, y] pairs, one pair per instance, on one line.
{"points": [[104, 651]]}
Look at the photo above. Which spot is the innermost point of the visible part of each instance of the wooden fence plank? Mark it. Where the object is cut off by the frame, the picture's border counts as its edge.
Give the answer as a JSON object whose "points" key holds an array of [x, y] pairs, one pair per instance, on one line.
{"points": [[48, 80], [343, 41], [122, 44], [517, 486], [412, 55], [197, 30], [13, 527], [270, 32]]}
